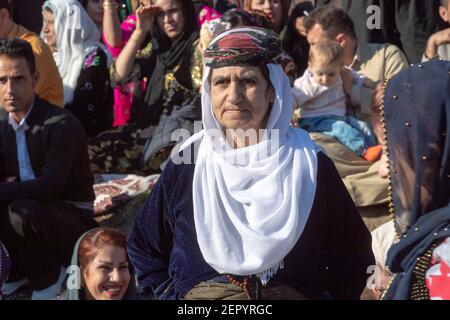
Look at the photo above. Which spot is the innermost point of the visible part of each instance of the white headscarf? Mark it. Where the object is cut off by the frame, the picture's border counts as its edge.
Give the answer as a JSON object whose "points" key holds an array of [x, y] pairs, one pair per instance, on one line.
{"points": [[249, 216], [76, 37]]}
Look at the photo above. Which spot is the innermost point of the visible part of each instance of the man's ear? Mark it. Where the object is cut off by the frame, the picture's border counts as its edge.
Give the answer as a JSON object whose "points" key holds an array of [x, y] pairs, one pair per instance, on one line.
{"points": [[36, 76], [341, 39], [4, 13], [443, 12]]}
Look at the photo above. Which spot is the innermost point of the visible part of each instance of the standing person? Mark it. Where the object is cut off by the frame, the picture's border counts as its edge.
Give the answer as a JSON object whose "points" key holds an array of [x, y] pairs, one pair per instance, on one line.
{"points": [[82, 62], [46, 193], [250, 218], [49, 86]]}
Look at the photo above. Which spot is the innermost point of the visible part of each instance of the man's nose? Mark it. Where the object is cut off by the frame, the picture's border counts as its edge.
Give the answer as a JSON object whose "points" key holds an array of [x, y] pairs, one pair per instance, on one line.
{"points": [[234, 96], [9, 87]]}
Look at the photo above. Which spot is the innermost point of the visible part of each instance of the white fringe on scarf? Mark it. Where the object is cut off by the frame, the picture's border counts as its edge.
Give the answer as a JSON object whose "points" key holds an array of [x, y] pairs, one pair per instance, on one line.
{"points": [[268, 274]]}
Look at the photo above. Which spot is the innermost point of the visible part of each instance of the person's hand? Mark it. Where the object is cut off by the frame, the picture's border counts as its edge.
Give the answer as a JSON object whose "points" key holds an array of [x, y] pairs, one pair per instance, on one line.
{"points": [[439, 38], [145, 18], [9, 179], [300, 26], [370, 84], [347, 81]]}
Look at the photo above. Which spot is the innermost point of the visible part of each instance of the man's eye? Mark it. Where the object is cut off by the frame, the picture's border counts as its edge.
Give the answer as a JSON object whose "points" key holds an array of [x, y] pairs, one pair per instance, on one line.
{"points": [[219, 82], [249, 81]]}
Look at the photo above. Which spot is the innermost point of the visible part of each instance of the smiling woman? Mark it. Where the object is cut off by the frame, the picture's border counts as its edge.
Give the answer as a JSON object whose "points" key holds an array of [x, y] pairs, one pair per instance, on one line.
{"points": [[102, 270]]}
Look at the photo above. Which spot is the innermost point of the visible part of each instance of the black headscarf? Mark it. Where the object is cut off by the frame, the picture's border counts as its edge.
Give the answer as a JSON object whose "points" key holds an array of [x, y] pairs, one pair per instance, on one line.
{"points": [[417, 119], [167, 54], [294, 43], [417, 123]]}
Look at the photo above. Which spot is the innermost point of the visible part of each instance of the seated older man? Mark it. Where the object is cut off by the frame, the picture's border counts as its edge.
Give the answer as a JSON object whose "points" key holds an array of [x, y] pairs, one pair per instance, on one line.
{"points": [[377, 62], [46, 188]]}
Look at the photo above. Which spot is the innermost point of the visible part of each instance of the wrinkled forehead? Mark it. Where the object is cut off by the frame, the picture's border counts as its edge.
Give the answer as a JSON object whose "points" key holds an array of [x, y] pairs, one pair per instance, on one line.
{"points": [[238, 71]]}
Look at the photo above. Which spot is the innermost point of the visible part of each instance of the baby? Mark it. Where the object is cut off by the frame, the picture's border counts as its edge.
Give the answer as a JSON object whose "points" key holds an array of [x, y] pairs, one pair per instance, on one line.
{"points": [[320, 96]]}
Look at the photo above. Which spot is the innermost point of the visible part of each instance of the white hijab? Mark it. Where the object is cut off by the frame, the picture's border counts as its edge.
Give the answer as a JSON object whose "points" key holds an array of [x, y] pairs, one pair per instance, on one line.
{"points": [[249, 216], [76, 37]]}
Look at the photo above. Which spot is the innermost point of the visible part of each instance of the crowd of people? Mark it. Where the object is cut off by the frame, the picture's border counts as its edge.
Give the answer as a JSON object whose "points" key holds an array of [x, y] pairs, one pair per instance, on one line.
{"points": [[296, 117]]}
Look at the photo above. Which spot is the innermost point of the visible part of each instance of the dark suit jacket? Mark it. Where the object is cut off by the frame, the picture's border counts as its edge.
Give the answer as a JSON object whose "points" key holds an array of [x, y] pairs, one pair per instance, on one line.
{"points": [[58, 153]]}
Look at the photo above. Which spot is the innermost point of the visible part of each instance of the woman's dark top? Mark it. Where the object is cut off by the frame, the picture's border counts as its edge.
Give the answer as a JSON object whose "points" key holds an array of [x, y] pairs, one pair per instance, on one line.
{"points": [[93, 98], [329, 261]]}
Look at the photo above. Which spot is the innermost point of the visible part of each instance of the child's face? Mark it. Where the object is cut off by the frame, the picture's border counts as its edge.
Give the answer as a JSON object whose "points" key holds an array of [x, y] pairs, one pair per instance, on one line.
{"points": [[325, 75]]}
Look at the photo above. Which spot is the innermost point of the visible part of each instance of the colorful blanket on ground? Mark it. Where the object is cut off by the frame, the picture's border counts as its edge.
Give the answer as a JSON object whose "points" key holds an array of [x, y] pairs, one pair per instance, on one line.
{"points": [[113, 190]]}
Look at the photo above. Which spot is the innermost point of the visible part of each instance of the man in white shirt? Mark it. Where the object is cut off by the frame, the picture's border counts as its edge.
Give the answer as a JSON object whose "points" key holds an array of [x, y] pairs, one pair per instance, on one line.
{"points": [[46, 191]]}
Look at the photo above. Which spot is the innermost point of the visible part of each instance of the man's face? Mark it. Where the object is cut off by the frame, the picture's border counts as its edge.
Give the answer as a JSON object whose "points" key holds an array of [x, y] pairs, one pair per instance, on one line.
{"points": [[317, 34], [16, 85]]}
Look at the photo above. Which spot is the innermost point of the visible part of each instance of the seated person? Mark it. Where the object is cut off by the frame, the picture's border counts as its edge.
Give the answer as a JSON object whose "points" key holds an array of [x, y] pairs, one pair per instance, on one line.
{"points": [[5, 266], [438, 45], [49, 86], [415, 244], [94, 9], [377, 62], [254, 216], [275, 11], [320, 95], [82, 62], [46, 193], [100, 269]]}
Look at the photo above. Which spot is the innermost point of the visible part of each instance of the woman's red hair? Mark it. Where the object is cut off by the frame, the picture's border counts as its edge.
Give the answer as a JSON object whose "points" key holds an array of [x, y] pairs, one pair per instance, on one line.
{"points": [[95, 240]]}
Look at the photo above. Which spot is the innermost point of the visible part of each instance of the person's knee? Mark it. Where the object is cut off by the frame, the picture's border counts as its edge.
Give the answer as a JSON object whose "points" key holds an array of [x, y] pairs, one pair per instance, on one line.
{"points": [[20, 214]]}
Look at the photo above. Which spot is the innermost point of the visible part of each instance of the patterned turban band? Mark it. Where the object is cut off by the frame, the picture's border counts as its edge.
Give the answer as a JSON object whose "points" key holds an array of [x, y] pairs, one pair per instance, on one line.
{"points": [[243, 46]]}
